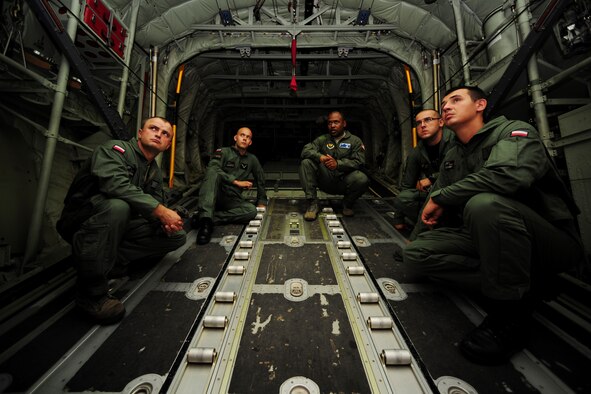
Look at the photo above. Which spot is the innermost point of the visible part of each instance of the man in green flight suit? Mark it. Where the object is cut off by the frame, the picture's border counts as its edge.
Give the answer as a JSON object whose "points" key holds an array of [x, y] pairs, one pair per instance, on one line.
{"points": [[333, 162], [114, 213], [422, 167], [502, 223], [226, 176]]}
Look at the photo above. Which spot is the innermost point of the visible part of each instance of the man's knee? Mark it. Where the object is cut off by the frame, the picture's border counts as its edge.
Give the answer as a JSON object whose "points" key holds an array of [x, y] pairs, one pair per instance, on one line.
{"points": [[407, 197], [176, 240], [414, 255], [308, 166], [250, 212], [356, 182], [117, 207], [486, 208], [112, 211]]}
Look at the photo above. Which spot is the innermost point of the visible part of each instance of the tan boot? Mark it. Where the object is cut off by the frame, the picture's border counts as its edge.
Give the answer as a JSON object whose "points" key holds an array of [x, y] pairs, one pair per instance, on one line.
{"points": [[312, 211], [104, 310]]}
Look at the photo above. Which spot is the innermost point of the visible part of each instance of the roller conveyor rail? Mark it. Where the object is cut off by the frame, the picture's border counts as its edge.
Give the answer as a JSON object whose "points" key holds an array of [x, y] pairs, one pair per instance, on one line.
{"points": [[325, 306]]}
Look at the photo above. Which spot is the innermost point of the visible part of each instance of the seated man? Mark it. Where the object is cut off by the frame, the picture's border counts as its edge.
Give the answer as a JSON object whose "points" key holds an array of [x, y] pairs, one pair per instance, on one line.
{"points": [[220, 196], [502, 223], [114, 212], [333, 162], [422, 166]]}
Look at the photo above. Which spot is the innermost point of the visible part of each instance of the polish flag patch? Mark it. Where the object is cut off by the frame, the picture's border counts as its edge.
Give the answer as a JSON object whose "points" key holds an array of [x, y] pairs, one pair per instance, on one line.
{"points": [[519, 133], [118, 149]]}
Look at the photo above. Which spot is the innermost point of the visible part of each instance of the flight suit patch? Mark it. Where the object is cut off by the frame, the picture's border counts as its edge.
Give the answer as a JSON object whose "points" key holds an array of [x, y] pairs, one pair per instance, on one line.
{"points": [[448, 165], [330, 145], [230, 164], [118, 149], [244, 166], [519, 133], [345, 145]]}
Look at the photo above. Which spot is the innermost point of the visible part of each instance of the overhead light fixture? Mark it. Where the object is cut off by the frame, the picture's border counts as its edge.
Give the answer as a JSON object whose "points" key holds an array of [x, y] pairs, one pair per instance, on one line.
{"points": [[363, 17], [226, 17]]}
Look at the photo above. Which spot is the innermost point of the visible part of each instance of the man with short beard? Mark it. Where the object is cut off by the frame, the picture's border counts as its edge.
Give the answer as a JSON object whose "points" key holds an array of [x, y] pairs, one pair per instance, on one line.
{"points": [[334, 163]]}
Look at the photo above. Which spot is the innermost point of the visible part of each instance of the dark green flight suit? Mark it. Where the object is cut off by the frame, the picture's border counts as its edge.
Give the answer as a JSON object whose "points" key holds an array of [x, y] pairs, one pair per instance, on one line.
{"points": [[222, 201], [418, 166], [507, 221], [107, 215], [347, 179]]}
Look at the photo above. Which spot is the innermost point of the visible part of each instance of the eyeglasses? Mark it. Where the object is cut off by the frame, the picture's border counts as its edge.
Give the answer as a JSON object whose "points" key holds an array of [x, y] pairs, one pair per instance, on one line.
{"points": [[426, 120]]}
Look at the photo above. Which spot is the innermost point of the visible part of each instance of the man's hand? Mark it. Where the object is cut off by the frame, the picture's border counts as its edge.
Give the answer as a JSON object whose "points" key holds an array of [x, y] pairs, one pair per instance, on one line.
{"points": [[170, 220], [329, 162], [431, 213], [423, 185], [243, 184]]}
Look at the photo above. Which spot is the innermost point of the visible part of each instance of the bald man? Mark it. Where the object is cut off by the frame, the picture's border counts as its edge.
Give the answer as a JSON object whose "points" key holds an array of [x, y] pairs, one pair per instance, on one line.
{"points": [[226, 176]]}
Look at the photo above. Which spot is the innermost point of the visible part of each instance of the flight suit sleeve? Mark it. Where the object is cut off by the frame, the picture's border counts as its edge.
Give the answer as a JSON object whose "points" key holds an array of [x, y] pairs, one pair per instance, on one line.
{"points": [[514, 163], [313, 150], [412, 169], [355, 160], [219, 157], [259, 179], [112, 170]]}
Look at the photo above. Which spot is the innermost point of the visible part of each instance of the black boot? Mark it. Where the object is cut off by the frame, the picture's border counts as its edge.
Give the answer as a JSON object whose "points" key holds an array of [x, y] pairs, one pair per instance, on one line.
{"points": [[500, 335], [205, 231]]}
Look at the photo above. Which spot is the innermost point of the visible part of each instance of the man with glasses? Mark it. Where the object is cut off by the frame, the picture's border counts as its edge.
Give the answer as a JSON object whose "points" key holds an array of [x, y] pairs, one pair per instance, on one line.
{"points": [[333, 162], [114, 213], [502, 223], [421, 168]]}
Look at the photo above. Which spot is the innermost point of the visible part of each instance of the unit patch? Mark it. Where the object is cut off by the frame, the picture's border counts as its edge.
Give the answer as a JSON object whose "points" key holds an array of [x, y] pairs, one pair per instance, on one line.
{"points": [[244, 166], [118, 149], [448, 165], [230, 164], [345, 145], [330, 145], [519, 133]]}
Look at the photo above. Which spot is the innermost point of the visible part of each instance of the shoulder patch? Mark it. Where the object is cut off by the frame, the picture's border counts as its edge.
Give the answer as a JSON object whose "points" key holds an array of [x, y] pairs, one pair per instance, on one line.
{"points": [[118, 149], [519, 133]]}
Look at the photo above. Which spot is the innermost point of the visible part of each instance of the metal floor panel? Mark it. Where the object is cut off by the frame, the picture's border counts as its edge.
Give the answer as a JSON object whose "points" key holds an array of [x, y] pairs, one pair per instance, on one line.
{"points": [[288, 309], [273, 307], [311, 338], [146, 342]]}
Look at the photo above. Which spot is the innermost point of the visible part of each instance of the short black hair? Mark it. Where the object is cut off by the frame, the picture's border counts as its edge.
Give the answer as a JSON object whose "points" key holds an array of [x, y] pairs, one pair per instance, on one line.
{"points": [[336, 111], [474, 91]]}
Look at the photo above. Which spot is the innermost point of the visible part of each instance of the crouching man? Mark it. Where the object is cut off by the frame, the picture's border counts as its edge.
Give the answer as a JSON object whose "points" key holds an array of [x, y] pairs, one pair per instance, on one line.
{"points": [[114, 213]]}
